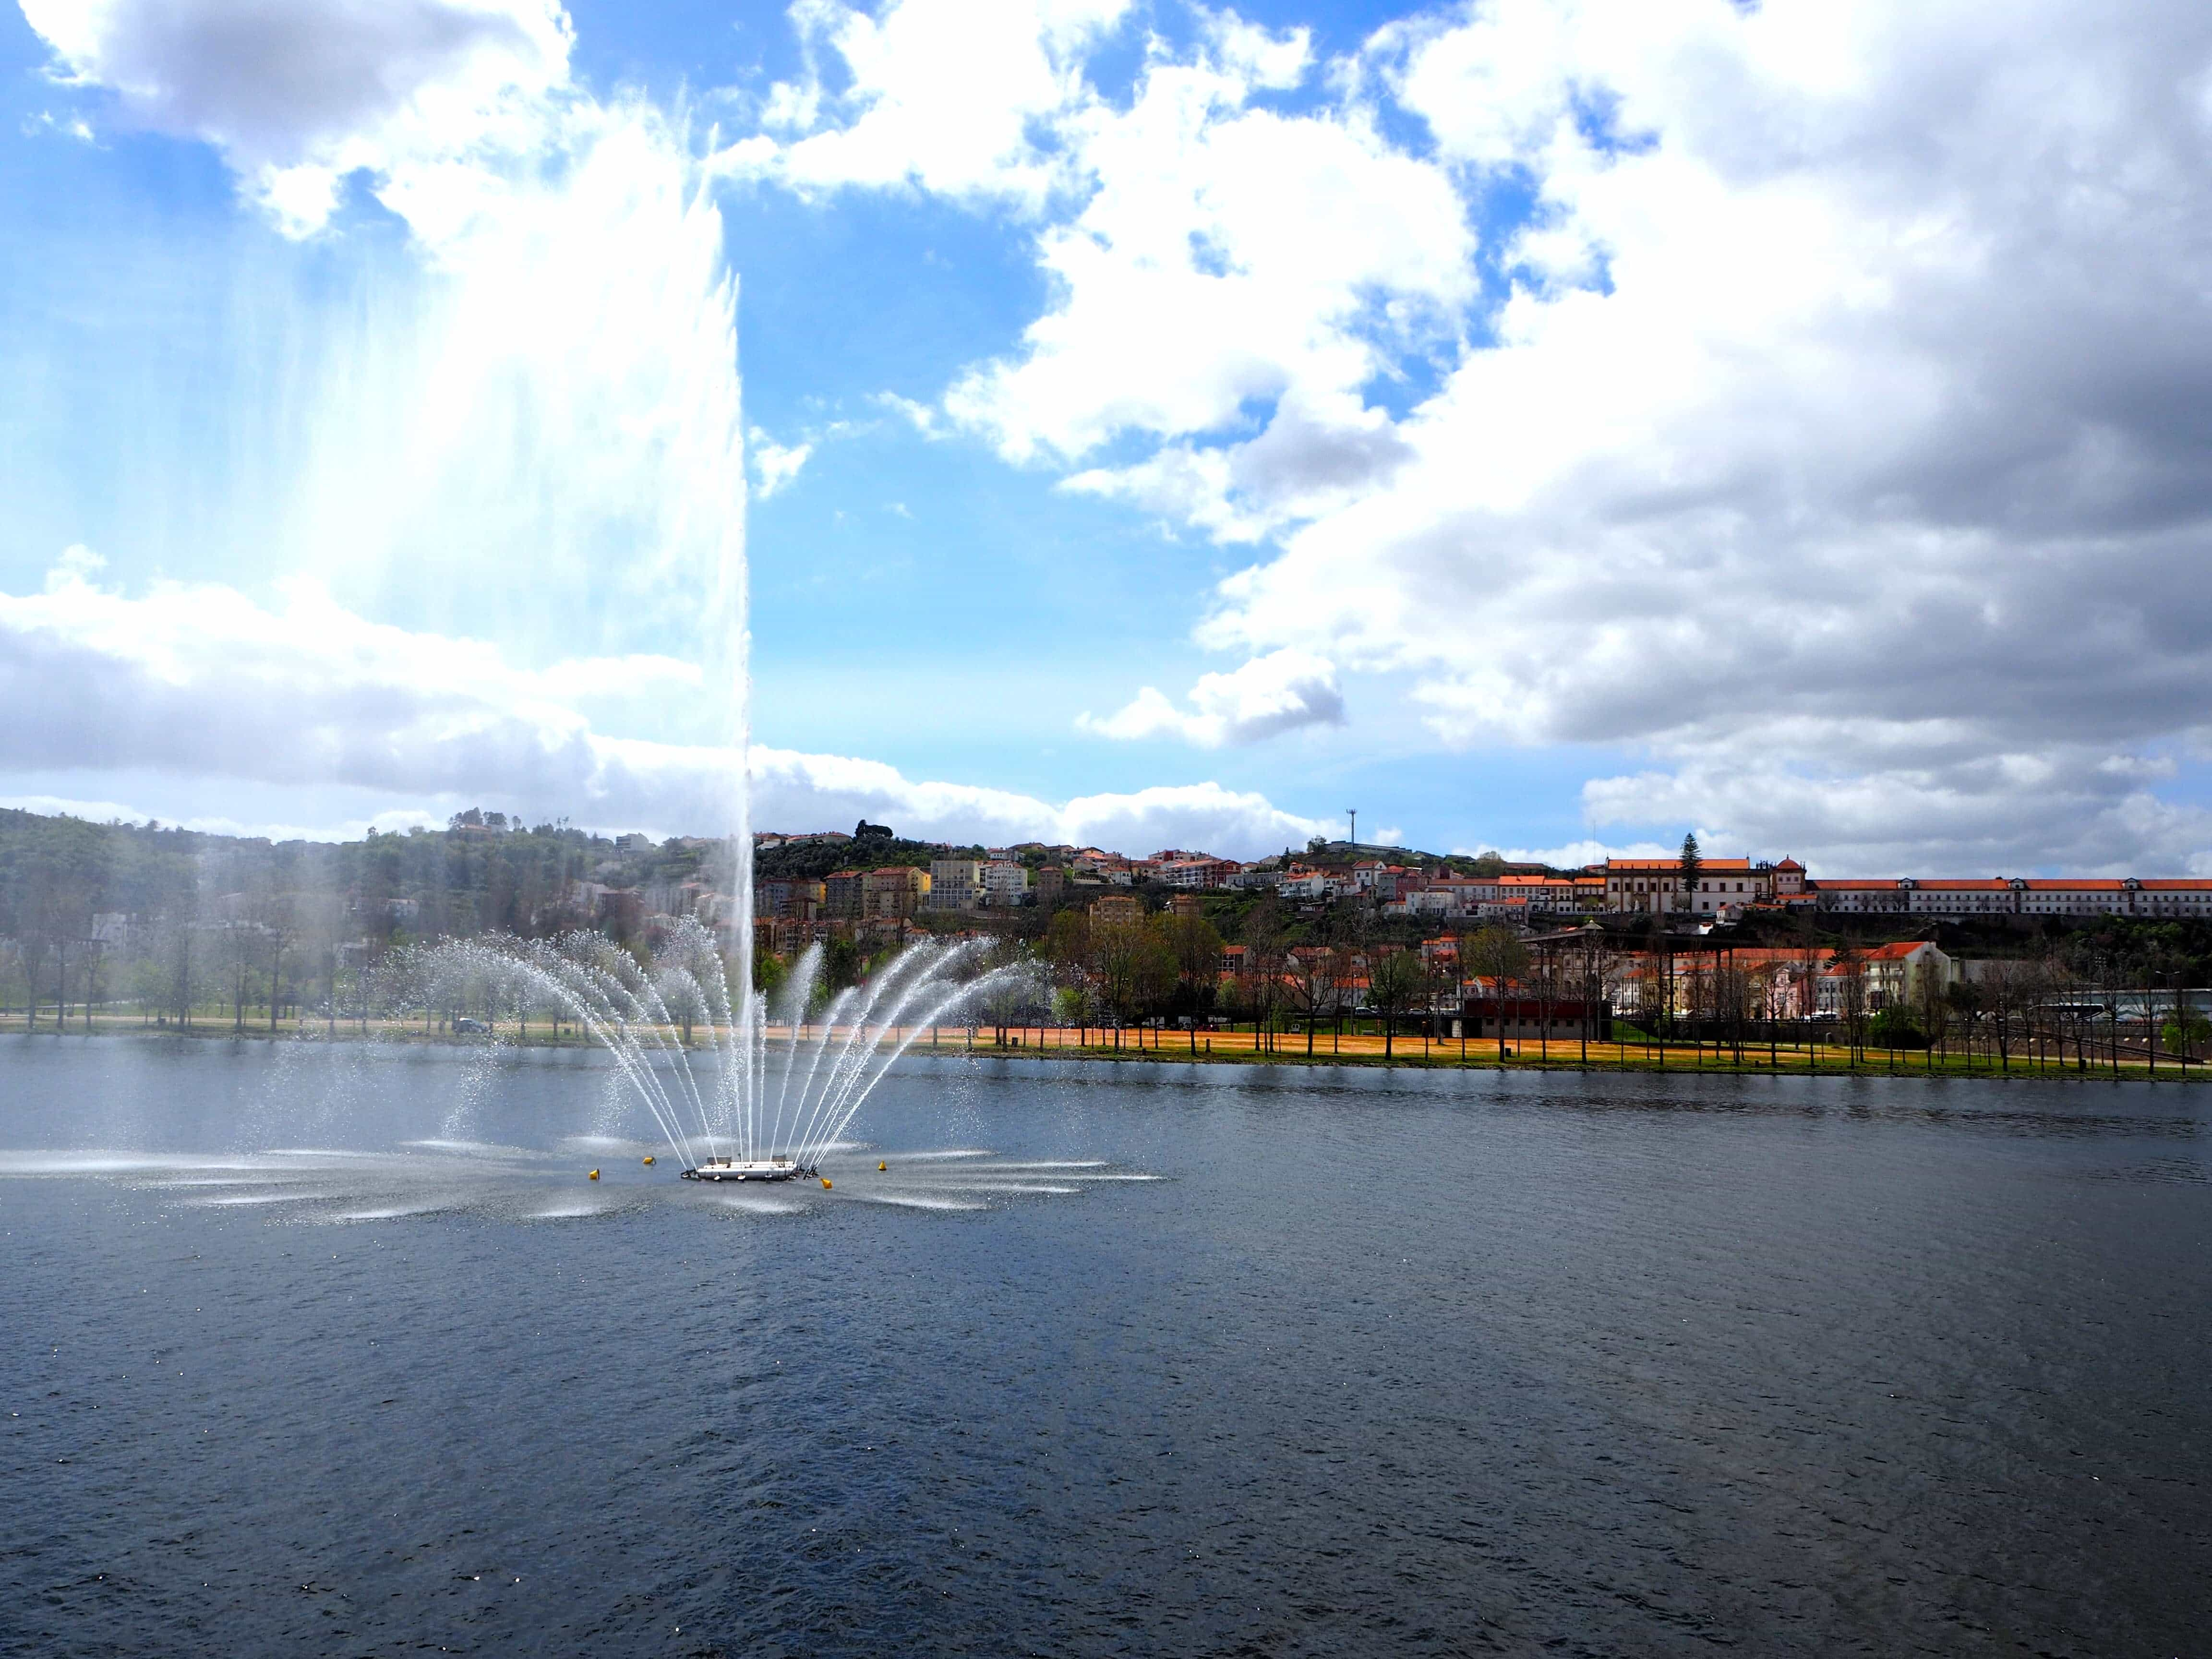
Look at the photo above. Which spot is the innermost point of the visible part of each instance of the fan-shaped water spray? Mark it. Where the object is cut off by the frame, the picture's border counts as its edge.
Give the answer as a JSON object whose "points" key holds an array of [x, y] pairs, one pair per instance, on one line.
{"points": [[756, 1107]]}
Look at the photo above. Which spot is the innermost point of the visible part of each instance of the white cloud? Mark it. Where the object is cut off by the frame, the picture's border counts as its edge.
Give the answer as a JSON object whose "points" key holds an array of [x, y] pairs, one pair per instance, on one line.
{"points": [[201, 682], [921, 416], [801, 790], [1838, 440], [1838, 445], [2064, 807], [1571, 855], [1228, 282], [73, 126], [1841, 445], [1267, 696], [109, 812], [298, 94], [776, 464], [1234, 282], [956, 97], [77, 567]]}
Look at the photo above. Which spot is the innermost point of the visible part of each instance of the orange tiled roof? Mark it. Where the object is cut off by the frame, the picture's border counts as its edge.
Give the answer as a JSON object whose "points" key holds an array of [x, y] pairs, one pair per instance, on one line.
{"points": [[1711, 866]]}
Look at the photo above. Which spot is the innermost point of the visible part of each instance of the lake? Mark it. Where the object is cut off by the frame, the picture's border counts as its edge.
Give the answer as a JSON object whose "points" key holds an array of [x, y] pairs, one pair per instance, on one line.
{"points": [[1126, 1358]]}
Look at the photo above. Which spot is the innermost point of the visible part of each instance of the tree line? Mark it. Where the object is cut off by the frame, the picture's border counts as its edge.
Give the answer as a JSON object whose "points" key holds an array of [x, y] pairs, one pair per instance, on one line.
{"points": [[191, 927]]}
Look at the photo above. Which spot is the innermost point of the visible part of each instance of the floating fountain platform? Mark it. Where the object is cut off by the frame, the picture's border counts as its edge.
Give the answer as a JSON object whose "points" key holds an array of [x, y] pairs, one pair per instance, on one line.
{"points": [[739, 1169]]}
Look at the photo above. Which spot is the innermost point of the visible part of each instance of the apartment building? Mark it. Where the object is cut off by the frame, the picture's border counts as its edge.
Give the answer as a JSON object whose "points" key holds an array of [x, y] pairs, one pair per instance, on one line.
{"points": [[895, 891], [956, 884], [845, 895], [1004, 882], [1539, 892], [799, 900], [1194, 870]]}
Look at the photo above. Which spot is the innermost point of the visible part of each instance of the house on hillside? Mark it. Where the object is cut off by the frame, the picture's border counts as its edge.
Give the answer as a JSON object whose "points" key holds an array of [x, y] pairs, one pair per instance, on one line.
{"points": [[895, 891], [1889, 976]]}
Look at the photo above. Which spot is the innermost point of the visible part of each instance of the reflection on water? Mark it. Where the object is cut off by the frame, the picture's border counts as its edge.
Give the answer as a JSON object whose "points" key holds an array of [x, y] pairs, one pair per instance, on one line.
{"points": [[345, 1352]]}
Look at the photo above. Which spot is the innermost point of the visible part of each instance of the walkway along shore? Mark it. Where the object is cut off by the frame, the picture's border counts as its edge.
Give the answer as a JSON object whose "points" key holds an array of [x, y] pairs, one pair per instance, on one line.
{"points": [[1245, 1048]]}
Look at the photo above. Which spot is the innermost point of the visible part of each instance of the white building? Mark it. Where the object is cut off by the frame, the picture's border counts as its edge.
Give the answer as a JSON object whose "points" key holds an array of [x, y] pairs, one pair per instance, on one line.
{"points": [[1004, 882], [1654, 886], [2017, 895], [1889, 976]]}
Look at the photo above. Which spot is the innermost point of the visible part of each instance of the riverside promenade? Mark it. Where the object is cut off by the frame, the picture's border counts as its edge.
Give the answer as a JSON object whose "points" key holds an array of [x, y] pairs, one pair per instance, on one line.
{"points": [[2053, 1055]]}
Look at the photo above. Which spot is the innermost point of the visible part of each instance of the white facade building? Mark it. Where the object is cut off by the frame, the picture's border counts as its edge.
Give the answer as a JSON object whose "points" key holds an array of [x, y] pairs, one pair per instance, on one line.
{"points": [[1654, 886], [1005, 882], [2018, 896]]}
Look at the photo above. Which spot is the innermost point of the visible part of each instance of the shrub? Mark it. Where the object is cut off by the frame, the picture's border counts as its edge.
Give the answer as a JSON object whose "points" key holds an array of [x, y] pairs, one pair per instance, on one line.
{"points": [[1892, 1027], [2186, 1034]]}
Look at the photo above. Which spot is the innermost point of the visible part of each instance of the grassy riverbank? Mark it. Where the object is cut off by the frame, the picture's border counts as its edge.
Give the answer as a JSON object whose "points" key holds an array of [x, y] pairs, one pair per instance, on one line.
{"points": [[1238, 1049]]}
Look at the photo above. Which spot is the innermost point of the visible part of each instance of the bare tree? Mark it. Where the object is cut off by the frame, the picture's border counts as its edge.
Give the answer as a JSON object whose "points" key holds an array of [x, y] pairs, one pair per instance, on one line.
{"points": [[319, 920], [176, 948], [1310, 987], [1012, 994], [1851, 970], [11, 970], [1931, 1006], [2003, 986], [1497, 955], [1134, 965], [239, 949], [1262, 987], [1593, 967], [1546, 976], [1196, 947], [1067, 946], [96, 965], [1966, 1007], [1394, 981], [1807, 960], [2061, 1009], [273, 919]]}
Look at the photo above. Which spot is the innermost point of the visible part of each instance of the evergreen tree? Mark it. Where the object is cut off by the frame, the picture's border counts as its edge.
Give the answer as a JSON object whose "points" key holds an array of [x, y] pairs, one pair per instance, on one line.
{"points": [[1693, 866]]}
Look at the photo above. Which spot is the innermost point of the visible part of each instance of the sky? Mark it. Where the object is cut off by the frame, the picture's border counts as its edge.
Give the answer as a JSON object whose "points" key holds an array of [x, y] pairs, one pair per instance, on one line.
{"points": [[1543, 425]]}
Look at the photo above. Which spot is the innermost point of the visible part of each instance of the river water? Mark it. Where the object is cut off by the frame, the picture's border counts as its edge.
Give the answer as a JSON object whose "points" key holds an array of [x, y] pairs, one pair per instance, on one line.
{"points": [[1159, 1360]]}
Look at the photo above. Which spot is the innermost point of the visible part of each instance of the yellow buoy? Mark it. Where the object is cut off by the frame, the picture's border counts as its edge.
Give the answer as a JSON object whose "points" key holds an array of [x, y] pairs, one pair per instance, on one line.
{"points": [[595, 1175], [648, 1160], [880, 1164], [825, 1183]]}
